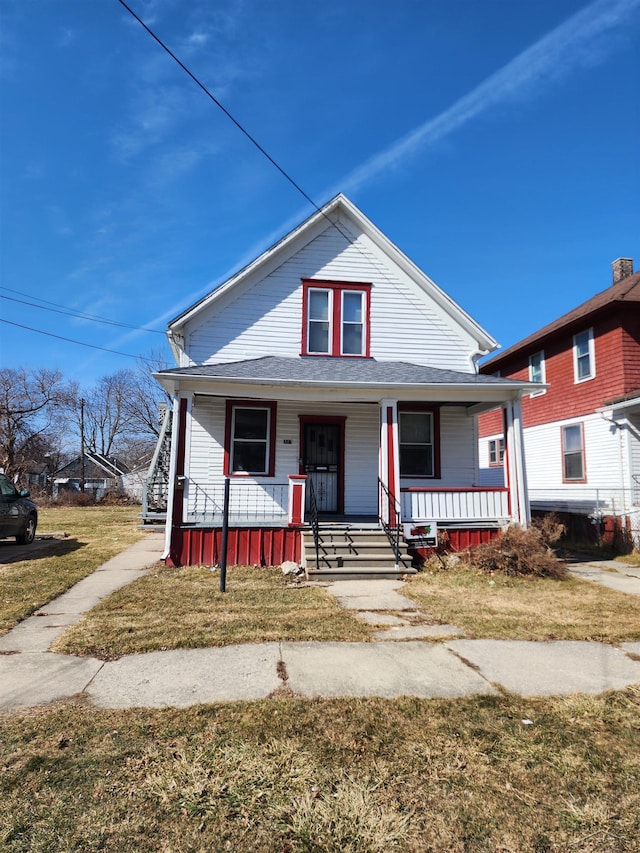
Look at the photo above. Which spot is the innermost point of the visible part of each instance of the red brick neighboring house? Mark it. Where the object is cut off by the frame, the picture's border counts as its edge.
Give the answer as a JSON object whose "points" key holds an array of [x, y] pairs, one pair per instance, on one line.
{"points": [[581, 433]]}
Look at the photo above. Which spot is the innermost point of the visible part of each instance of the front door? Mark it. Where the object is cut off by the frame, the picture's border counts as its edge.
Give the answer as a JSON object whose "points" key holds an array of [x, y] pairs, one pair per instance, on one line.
{"points": [[321, 462]]}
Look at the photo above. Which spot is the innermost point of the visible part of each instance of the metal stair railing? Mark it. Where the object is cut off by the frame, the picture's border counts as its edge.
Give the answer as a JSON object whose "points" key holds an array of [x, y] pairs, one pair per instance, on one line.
{"points": [[392, 524], [156, 486], [313, 520]]}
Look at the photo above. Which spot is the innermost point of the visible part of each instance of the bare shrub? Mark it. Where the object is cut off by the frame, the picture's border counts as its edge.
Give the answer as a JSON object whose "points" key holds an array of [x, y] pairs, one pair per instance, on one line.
{"points": [[520, 551]]}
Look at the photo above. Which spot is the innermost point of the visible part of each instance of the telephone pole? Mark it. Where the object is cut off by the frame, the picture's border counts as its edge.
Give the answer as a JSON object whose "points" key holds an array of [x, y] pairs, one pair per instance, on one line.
{"points": [[82, 444]]}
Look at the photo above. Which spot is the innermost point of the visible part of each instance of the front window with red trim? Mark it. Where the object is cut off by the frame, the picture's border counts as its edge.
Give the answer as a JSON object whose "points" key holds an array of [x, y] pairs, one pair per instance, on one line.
{"points": [[250, 438], [419, 440], [335, 318]]}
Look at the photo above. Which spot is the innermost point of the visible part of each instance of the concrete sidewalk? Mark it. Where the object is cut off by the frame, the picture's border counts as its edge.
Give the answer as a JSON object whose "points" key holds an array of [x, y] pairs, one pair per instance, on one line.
{"points": [[30, 675]]}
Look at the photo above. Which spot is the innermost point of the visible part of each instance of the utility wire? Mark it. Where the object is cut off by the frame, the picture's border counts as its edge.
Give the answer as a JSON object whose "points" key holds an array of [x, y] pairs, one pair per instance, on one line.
{"points": [[221, 106], [69, 340], [80, 315]]}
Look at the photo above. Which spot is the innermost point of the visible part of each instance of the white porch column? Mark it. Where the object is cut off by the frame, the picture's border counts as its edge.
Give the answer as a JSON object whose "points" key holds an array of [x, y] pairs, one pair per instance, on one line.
{"points": [[389, 464], [516, 468]]}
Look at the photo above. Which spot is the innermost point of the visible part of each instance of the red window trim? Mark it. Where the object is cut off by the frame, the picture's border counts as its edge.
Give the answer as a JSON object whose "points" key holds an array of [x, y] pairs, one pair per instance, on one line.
{"points": [[582, 451], [336, 288], [435, 411], [338, 420], [228, 420]]}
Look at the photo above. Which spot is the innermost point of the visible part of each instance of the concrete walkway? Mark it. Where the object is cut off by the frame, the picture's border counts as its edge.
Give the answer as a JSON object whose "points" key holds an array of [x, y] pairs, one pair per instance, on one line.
{"points": [[30, 675]]}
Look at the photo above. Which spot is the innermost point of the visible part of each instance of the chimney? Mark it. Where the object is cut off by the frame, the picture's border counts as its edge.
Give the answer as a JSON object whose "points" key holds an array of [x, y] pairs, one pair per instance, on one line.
{"points": [[622, 268]]}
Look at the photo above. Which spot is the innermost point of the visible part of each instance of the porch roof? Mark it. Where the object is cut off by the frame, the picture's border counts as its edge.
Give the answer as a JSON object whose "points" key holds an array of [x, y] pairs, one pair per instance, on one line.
{"points": [[354, 372]]}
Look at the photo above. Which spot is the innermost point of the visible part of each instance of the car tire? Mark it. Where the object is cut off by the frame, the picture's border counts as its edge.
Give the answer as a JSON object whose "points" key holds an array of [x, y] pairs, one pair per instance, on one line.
{"points": [[29, 533]]}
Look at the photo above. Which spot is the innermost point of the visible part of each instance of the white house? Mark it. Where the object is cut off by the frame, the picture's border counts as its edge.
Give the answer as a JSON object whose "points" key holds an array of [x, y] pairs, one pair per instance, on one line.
{"points": [[335, 386]]}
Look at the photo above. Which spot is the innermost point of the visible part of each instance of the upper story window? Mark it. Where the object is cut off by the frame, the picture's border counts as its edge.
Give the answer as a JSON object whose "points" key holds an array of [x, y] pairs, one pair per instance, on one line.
{"points": [[335, 318], [418, 436], [584, 361], [537, 371], [250, 438]]}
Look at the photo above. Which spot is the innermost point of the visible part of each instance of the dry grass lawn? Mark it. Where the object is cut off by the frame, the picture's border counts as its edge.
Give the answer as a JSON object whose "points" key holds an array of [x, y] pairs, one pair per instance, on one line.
{"points": [[525, 608], [329, 776], [96, 533], [184, 608]]}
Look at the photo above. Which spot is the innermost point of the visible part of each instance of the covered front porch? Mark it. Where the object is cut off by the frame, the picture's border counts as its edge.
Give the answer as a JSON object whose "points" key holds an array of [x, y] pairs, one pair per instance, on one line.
{"points": [[300, 455]]}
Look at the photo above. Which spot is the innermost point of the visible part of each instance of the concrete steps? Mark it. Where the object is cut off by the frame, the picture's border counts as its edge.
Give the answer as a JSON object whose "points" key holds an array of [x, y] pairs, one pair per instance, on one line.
{"points": [[353, 553]]}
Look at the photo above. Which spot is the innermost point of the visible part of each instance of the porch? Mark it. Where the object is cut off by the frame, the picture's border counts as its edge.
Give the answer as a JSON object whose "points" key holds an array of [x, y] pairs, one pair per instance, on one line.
{"points": [[272, 522]]}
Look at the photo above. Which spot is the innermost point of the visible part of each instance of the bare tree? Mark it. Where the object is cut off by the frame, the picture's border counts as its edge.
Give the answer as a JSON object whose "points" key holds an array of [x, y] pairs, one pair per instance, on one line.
{"points": [[34, 409], [121, 413]]}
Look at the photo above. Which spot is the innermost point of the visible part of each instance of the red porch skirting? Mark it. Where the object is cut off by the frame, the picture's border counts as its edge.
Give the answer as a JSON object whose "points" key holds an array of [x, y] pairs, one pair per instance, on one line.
{"points": [[458, 539], [246, 546]]}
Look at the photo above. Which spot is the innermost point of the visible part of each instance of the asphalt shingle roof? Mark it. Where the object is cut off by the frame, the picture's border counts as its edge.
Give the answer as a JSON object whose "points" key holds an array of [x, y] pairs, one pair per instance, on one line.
{"points": [[328, 370]]}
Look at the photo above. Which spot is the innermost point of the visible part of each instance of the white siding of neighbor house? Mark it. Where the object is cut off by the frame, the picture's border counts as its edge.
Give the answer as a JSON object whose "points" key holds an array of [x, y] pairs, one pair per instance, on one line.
{"points": [[205, 442], [264, 317], [490, 475], [632, 430], [604, 464]]}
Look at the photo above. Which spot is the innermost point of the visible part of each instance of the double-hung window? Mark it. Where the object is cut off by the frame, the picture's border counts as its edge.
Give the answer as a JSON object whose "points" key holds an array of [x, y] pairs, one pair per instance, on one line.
{"points": [[584, 365], [418, 443], [250, 438], [335, 318], [536, 370], [496, 451], [573, 467]]}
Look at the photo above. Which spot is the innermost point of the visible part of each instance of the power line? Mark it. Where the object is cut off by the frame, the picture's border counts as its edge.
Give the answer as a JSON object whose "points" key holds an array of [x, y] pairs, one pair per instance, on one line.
{"points": [[69, 340], [251, 138], [79, 314]]}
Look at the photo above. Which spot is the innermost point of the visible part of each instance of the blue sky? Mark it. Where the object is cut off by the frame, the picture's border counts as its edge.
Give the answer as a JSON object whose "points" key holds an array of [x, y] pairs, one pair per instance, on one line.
{"points": [[495, 143]]}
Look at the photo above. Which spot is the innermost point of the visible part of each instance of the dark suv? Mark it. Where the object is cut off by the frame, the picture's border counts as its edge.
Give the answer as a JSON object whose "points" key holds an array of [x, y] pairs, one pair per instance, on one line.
{"points": [[18, 514]]}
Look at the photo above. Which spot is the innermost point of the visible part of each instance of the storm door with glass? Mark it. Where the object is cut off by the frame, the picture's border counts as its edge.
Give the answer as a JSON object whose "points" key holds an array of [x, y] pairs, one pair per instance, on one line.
{"points": [[321, 461]]}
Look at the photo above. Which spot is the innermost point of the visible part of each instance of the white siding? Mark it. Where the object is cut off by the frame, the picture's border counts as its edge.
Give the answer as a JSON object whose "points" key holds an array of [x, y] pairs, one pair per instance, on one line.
{"points": [[603, 488], [457, 455], [205, 465], [265, 318], [205, 444], [490, 475], [633, 438]]}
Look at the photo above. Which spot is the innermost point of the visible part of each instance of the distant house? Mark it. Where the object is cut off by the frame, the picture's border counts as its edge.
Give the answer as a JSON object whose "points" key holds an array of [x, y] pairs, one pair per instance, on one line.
{"points": [[335, 387], [581, 431], [101, 475]]}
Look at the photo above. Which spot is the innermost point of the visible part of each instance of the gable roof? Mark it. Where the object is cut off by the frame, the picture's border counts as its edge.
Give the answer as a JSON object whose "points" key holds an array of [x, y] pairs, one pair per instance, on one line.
{"points": [[625, 291], [96, 465], [340, 207]]}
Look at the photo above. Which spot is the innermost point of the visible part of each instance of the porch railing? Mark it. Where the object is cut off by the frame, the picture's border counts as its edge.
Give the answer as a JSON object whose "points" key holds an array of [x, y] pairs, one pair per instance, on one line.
{"points": [[470, 504], [390, 518], [249, 502], [313, 521]]}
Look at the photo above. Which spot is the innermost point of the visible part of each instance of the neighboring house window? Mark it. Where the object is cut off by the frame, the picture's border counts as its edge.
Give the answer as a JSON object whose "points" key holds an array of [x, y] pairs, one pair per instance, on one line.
{"points": [[573, 467], [335, 318], [584, 365], [536, 371], [496, 451], [418, 433], [250, 438]]}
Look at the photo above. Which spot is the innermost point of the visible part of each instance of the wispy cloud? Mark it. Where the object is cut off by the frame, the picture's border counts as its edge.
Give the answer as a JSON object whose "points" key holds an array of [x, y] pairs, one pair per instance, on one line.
{"points": [[587, 37]]}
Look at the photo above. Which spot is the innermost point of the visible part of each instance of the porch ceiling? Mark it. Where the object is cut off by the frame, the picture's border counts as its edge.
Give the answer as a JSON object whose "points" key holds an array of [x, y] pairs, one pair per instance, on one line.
{"points": [[342, 379]]}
